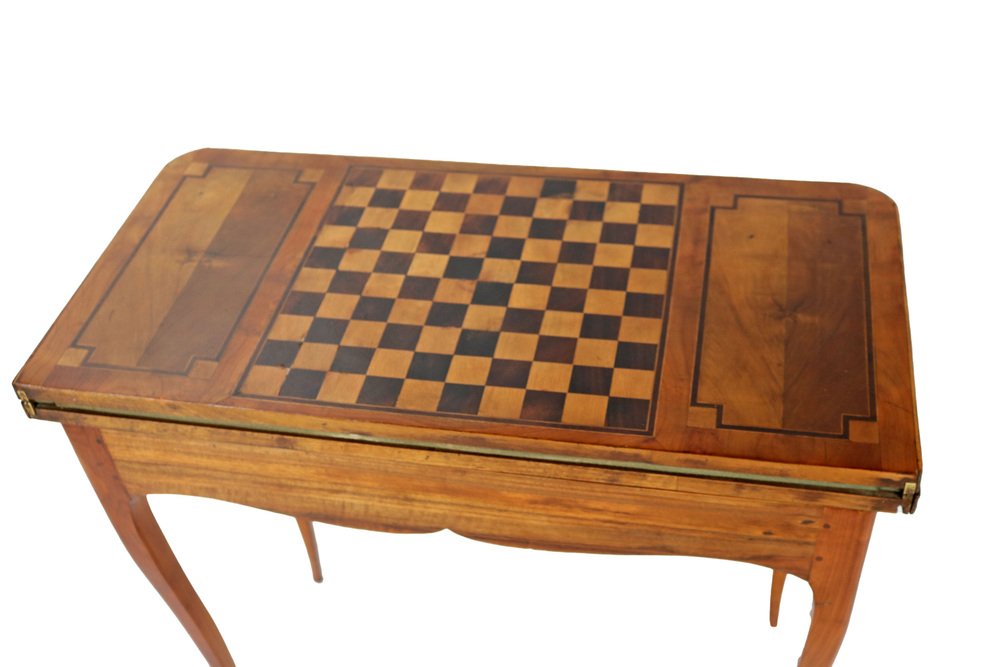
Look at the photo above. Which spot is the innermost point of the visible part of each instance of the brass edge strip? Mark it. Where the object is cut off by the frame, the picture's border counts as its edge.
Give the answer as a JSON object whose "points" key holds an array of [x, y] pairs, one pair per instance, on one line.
{"points": [[27, 404], [835, 487]]}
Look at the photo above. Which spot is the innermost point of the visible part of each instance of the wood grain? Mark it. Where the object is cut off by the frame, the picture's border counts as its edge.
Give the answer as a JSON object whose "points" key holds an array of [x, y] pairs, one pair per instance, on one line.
{"points": [[226, 276], [784, 339], [388, 490], [133, 310]]}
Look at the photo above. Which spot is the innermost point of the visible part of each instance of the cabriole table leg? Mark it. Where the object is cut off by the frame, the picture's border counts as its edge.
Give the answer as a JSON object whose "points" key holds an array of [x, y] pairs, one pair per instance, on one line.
{"points": [[141, 535], [309, 537], [836, 571], [777, 586]]}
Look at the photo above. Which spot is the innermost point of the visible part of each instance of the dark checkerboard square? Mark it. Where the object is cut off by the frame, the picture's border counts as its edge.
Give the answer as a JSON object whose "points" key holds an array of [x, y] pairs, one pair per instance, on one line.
{"points": [[436, 243], [393, 262], [492, 294], [451, 201], [567, 298], [475, 343], [373, 309], [650, 258], [466, 268], [587, 210], [324, 258], [352, 359], [475, 223], [522, 206], [461, 398], [545, 228], [368, 238], [558, 349], [630, 413], [643, 305], [577, 253], [558, 188], [278, 353], [302, 303], [387, 198], [508, 373], [653, 214], [344, 216], [400, 337], [522, 320], [492, 185], [505, 248], [618, 233], [591, 380], [427, 180], [446, 314], [348, 282], [411, 220], [380, 391], [429, 366], [544, 406], [302, 383], [631, 192], [325, 330], [536, 273], [640, 356], [600, 326], [418, 287], [363, 176], [609, 278]]}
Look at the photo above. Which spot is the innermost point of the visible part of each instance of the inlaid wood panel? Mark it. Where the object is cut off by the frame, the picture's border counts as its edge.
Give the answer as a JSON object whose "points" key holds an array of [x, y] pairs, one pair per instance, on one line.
{"points": [[494, 296], [188, 281], [785, 325]]}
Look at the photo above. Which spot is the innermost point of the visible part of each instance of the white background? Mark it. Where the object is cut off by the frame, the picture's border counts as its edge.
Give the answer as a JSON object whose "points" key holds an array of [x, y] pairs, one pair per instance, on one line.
{"points": [[898, 96]]}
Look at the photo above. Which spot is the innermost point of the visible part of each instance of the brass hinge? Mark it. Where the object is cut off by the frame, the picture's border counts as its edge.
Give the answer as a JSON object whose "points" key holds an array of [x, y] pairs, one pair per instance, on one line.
{"points": [[910, 497], [26, 403]]}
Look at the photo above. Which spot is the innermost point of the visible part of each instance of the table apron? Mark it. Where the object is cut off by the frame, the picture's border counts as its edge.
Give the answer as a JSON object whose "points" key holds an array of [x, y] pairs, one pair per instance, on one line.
{"points": [[494, 500]]}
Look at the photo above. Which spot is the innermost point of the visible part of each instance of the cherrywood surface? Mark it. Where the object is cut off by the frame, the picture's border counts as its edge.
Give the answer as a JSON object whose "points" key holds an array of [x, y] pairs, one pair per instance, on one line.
{"points": [[719, 326], [571, 360]]}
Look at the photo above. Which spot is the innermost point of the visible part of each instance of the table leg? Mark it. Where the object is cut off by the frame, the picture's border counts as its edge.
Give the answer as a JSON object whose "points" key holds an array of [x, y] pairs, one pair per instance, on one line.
{"points": [[141, 535], [309, 537], [777, 586], [836, 570]]}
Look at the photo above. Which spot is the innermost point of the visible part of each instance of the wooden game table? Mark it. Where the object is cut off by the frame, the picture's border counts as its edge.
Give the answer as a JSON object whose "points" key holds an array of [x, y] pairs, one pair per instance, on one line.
{"points": [[563, 359]]}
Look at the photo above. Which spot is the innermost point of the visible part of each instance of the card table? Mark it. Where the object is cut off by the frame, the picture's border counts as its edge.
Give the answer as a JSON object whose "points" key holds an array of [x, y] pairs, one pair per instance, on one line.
{"points": [[575, 360]]}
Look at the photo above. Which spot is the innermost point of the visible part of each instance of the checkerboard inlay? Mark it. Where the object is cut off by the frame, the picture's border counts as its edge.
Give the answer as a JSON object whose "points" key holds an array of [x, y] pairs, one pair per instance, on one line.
{"points": [[506, 297]]}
